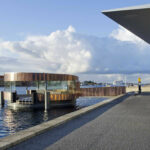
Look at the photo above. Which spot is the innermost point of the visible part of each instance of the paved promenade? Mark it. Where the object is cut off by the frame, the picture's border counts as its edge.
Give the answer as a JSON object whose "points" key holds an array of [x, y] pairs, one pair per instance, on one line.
{"points": [[121, 125]]}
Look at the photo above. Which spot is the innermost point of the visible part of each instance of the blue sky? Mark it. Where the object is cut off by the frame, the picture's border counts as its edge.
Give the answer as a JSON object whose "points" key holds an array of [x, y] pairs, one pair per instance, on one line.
{"points": [[20, 18], [70, 36]]}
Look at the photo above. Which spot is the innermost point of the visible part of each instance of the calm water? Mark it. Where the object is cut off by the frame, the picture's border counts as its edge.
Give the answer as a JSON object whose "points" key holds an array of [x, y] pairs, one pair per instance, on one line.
{"points": [[12, 121]]}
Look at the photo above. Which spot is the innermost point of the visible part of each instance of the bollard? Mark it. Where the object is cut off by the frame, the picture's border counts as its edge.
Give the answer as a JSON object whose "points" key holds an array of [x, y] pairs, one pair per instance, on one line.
{"points": [[2, 98]]}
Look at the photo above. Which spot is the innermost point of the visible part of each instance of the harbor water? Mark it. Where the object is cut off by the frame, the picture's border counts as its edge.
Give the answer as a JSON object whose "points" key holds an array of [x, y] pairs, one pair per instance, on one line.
{"points": [[13, 120]]}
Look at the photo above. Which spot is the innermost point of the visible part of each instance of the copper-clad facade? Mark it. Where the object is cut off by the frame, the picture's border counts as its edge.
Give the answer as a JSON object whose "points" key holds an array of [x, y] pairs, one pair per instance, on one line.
{"points": [[61, 86], [38, 77]]}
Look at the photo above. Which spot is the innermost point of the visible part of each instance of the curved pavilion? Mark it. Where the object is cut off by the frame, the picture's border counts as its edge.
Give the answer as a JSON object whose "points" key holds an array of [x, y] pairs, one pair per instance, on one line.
{"points": [[61, 86]]}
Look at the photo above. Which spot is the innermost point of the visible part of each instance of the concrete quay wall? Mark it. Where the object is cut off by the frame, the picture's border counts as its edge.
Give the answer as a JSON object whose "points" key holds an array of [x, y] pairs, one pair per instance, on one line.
{"points": [[14, 139]]}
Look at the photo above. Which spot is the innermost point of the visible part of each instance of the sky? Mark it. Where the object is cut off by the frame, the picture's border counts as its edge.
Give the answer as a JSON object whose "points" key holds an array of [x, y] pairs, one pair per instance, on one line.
{"points": [[71, 36]]}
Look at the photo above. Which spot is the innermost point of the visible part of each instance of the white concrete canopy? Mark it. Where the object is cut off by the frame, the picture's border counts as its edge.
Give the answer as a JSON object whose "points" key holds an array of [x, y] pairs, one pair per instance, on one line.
{"points": [[135, 19]]}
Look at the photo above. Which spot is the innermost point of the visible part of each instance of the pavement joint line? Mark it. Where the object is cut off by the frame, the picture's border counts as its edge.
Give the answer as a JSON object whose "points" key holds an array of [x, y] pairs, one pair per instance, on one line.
{"points": [[18, 137]]}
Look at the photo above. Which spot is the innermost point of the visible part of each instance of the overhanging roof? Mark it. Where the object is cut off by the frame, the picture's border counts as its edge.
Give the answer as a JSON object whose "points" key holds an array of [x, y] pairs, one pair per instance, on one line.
{"points": [[135, 19]]}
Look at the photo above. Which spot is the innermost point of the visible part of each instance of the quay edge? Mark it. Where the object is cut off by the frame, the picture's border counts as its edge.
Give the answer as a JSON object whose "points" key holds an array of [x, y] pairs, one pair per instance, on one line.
{"points": [[11, 140]]}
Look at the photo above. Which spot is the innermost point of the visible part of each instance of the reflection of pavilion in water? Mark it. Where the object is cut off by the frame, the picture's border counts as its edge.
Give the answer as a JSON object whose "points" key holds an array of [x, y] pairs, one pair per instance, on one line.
{"points": [[28, 89], [9, 121], [15, 120]]}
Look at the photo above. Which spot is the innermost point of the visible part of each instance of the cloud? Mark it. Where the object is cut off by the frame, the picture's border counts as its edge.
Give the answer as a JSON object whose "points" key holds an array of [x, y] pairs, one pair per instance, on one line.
{"points": [[125, 35], [59, 51], [66, 51]]}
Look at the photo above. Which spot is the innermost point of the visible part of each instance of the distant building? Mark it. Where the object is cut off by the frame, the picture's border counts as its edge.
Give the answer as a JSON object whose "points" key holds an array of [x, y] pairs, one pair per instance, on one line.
{"points": [[119, 83]]}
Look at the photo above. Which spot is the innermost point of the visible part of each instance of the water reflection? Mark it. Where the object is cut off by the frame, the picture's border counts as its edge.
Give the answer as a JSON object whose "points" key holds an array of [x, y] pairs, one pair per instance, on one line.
{"points": [[12, 120], [9, 121]]}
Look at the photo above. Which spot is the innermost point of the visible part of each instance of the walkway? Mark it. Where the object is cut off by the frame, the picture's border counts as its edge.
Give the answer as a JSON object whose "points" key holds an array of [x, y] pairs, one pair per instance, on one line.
{"points": [[121, 125]]}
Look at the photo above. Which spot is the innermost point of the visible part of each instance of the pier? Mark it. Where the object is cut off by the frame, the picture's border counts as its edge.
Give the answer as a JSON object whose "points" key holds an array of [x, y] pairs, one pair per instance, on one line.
{"points": [[120, 123]]}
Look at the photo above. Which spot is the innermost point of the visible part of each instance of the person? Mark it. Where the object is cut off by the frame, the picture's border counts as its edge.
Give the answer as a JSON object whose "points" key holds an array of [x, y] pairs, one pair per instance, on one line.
{"points": [[139, 85], [139, 88]]}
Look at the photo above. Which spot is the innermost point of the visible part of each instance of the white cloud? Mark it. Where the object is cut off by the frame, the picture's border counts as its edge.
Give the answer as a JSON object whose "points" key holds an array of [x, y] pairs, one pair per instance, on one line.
{"points": [[123, 35], [67, 51], [60, 51]]}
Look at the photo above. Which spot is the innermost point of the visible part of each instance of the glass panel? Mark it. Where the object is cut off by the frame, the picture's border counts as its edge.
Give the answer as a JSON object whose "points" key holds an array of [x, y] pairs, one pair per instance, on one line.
{"points": [[7, 86], [13, 86], [1, 85], [33, 85], [71, 86], [42, 85], [21, 87], [57, 85], [64, 85]]}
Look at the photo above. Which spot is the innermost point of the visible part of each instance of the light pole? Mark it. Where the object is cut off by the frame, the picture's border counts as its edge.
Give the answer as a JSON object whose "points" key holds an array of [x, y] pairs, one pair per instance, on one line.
{"points": [[46, 100]]}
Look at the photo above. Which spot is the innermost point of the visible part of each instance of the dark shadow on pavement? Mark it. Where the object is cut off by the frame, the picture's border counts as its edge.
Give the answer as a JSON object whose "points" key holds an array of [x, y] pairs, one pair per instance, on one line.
{"points": [[143, 94]]}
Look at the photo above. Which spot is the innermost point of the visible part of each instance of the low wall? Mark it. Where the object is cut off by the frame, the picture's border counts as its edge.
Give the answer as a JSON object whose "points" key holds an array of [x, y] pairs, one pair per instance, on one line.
{"points": [[103, 91]]}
